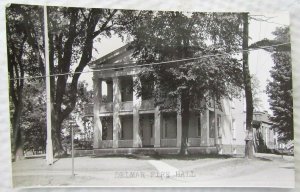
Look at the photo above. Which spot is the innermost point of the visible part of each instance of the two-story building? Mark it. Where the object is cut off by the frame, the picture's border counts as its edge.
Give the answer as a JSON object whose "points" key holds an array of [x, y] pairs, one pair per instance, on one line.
{"points": [[126, 123]]}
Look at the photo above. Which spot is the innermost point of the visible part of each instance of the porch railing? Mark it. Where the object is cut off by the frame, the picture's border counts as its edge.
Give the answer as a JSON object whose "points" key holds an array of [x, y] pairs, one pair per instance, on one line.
{"points": [[126, 106], [125, 143], [194, 142], [147, 105], [106, 144], [168, 142], [106, 107]]}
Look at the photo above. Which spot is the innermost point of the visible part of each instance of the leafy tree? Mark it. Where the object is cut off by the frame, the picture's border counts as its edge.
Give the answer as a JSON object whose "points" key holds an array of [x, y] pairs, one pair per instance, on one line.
{"points": [[25, 58], [83, 125], [33, 119], [280, 88], [165, 36], [72, 32]]}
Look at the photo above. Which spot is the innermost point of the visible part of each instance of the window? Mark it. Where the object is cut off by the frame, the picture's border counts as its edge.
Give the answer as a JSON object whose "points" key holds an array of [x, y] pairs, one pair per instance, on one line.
{"points": [[170, 125], [107, 128], [147, 88], [126, 88], [109, 90]]}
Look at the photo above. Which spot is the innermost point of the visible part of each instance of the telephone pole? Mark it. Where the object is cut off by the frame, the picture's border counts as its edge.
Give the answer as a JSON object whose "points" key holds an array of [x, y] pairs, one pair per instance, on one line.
{"points": [[49, 147], [248, 90]]}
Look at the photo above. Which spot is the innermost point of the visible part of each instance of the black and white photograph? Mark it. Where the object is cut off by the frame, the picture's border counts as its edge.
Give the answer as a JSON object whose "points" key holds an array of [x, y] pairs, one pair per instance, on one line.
{"points": [[102, 97]]}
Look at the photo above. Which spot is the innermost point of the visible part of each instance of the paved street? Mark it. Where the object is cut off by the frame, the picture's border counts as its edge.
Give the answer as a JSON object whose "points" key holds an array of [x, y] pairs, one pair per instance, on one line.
{"points": [[265, 170]]}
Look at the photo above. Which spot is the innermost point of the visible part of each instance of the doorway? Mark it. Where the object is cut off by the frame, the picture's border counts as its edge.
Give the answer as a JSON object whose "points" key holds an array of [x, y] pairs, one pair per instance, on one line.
{"points": [[147, 129]]}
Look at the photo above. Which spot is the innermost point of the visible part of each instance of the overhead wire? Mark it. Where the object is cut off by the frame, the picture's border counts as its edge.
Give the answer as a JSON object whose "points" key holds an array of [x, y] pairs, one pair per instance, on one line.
{"points": [[254, 17], [134, 65]]}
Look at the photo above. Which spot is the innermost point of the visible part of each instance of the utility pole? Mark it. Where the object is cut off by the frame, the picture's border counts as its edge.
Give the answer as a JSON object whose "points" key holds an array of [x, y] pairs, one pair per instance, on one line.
{"points": [[49, 147], [248, 90], [72, 143]]}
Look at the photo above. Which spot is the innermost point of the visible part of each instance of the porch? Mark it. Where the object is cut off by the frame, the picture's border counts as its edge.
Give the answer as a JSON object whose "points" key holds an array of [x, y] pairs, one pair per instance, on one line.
{"points": [[164, 143], [154, 150]]}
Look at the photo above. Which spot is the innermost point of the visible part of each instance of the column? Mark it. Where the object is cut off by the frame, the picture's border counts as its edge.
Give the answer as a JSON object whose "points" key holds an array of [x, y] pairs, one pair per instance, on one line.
{"points": [[204, 128], [207, 127], [215, 122], [179, 124], [157, 126], [136, 102], [97, 101], [116, 109]]}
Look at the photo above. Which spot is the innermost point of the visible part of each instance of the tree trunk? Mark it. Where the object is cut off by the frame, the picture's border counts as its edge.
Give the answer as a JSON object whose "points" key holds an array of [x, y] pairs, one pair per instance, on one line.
{"points": [[248, 92], [18, 136], [17, 130], [56, 134], [185, 113]]}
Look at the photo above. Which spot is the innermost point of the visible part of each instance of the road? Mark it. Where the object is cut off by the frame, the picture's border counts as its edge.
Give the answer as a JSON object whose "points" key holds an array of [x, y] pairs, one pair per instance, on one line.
{"points": [[263, 171]]}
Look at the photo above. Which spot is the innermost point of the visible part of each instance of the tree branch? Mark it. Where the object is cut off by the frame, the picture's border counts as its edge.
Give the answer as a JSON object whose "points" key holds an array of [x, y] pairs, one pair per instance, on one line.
{"points": [[96, 33]]}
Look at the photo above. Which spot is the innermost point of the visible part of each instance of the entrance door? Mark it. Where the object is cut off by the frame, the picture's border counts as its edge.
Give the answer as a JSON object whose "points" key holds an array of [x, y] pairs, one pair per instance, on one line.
{"points": [[147, 129]]}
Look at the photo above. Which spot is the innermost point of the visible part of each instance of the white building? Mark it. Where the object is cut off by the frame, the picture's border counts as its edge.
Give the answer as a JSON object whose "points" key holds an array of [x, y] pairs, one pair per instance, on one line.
{"points": [[125, 123]]}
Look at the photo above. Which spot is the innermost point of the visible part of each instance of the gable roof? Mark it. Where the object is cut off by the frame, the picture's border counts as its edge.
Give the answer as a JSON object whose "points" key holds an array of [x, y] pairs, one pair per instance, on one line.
{"points": [[263, 117], [121, 55]]}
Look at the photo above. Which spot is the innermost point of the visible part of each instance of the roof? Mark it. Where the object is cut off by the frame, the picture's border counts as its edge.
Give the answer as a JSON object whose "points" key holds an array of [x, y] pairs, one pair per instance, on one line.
{"points": [[119, 56], [261, 117]]}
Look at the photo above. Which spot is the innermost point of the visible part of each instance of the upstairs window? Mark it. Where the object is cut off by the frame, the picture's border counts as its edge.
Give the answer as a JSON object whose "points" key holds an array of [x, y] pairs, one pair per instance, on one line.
{"points": [[147, 86], [126, 84]]}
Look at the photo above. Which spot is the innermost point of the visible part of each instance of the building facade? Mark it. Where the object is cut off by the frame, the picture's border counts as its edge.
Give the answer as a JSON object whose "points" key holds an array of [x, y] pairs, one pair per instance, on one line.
{"points": [[266, 138], [125, 123]]}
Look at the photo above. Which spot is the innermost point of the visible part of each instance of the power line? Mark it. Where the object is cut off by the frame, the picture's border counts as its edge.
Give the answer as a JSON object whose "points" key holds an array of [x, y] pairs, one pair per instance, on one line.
{"points": [[133, 65], [267, 21]]}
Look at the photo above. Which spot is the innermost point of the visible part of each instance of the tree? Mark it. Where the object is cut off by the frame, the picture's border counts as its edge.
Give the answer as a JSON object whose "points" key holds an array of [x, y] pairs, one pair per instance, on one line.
{"points": [[85, 97], [165, 36], [280, 88], [33, 119], [83, 125], [25, 58], [72, 32], [248, 90]]}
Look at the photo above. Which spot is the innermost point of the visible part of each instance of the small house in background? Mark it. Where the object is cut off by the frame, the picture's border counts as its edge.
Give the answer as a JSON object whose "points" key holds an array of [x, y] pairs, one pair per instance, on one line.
{"points": [[125, 123], [266, 138]]}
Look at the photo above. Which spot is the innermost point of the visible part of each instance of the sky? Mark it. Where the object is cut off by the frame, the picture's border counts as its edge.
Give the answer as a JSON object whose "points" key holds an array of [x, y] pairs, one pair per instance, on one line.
{"points": [[260, 61]]}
